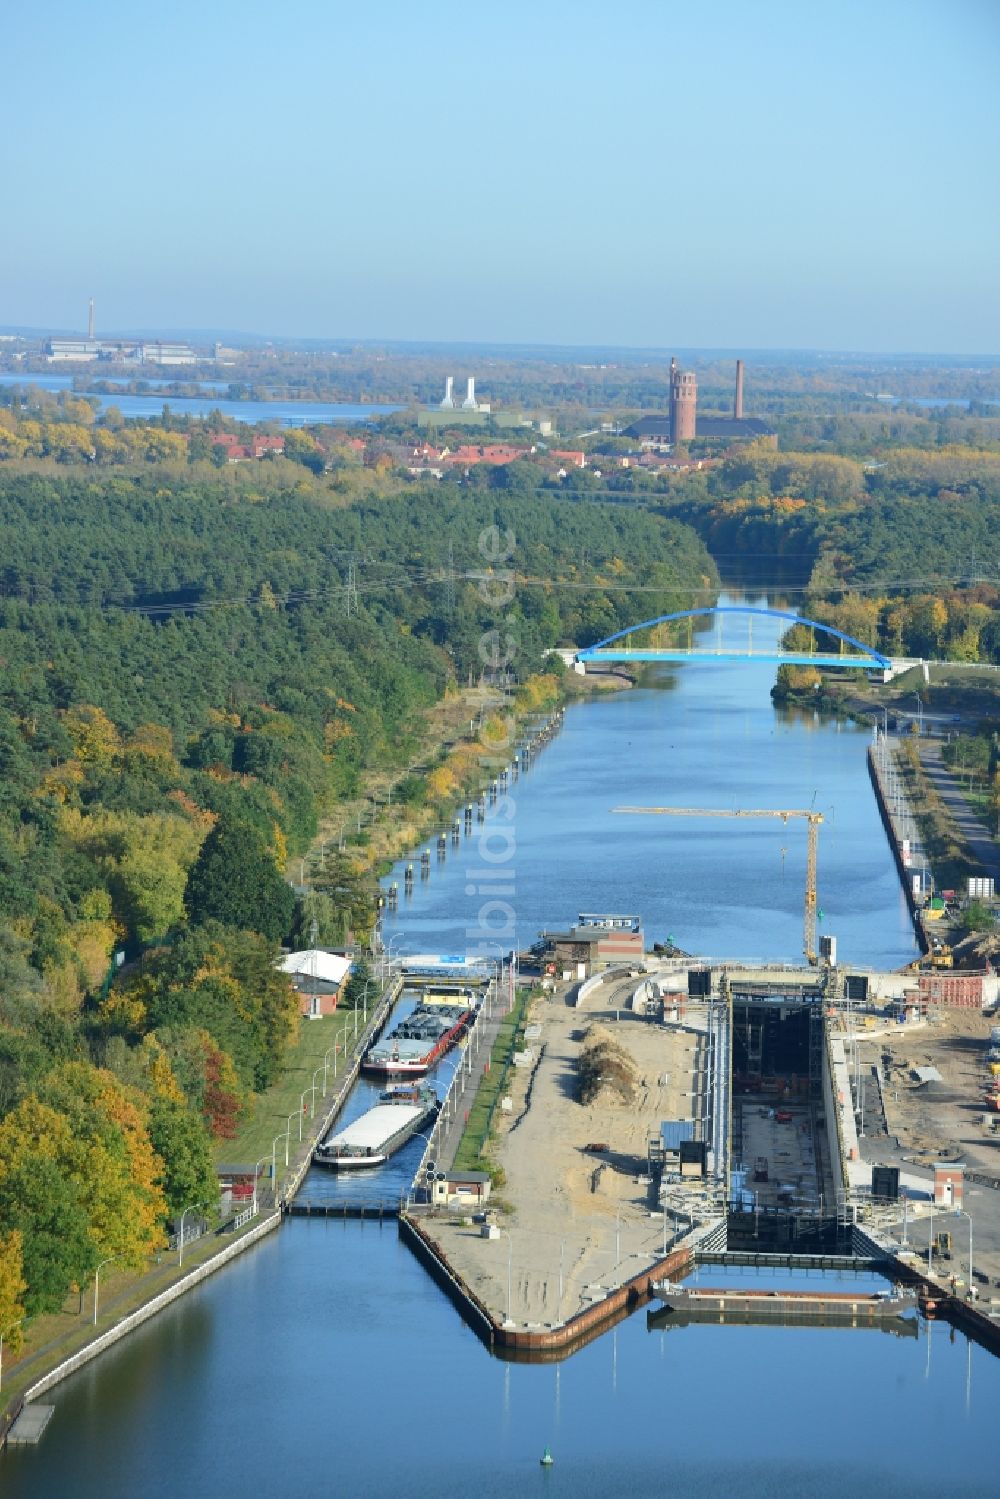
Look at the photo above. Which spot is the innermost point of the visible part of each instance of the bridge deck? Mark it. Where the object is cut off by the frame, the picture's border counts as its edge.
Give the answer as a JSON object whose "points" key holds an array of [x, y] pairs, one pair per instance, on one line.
{"points": [[782, 658]]}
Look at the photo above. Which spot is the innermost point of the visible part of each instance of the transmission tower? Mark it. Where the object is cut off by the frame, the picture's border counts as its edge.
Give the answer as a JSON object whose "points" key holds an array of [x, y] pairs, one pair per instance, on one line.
{"points": [[351, 590]]}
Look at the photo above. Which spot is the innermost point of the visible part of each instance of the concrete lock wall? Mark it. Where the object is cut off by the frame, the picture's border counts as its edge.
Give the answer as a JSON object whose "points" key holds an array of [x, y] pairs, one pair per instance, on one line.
{"points": [[833, 1112], [143, 1313]]}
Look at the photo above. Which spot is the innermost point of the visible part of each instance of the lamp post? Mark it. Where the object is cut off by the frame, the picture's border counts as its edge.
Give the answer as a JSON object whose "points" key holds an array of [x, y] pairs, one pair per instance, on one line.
{"points": [[288, 1130], [315, 1075], [97, 1281], [256, 1173], [326, 1064], [429, 1142], [274, 1162], [302, 1108], [180, 1243], [8, 1329], [961, 1213], [510, 1275]]}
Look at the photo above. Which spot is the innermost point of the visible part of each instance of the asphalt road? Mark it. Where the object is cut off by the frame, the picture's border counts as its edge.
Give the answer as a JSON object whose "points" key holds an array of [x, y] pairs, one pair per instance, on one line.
{"points": [[982, 845]]}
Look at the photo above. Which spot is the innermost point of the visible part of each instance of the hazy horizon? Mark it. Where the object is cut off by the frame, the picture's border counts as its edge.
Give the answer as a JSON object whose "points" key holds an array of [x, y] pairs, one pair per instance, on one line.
{"points": [[758, 179]]}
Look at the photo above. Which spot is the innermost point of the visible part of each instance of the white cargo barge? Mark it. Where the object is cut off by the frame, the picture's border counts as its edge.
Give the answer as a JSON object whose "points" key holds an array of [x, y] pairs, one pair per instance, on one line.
{"points": [[380, 1132]]}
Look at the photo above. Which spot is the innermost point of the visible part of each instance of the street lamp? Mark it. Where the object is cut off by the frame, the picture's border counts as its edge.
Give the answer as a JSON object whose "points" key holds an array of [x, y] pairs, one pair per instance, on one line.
{"points": [[97, 1281], [274, 1162], [288, 1130], [302, 1108], [3, 1334], [510, 1268], [256, 1173], [180, 1244], [315, 1073], [961, 1213]]}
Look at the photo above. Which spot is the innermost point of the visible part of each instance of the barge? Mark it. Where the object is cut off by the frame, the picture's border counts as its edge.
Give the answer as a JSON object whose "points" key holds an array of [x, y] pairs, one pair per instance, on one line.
{"points": [[418, 1041], [700, 1303], [378, 1134]]}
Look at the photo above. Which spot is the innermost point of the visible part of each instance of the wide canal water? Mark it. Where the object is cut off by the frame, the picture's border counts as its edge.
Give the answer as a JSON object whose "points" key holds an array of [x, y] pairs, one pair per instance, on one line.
{"points": [[326, 1362]]}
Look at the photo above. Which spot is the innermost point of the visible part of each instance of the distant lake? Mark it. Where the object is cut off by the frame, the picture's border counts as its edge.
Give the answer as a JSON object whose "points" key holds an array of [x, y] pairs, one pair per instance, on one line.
{"points": [[931, 402], [286, 413]]}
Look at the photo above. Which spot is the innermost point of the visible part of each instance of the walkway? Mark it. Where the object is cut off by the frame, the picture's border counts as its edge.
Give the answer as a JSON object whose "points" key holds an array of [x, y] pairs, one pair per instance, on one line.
{"points": [[461, 1096], [982, 846]]}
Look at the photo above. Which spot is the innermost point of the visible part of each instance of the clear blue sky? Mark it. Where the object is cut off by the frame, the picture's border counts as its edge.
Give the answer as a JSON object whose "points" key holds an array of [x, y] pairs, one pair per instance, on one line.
{"points": [[772, 173]]}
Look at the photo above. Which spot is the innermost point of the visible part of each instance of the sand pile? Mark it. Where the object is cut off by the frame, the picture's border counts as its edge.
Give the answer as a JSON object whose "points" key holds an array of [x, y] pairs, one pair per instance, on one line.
{"points": [[605, 1070]]}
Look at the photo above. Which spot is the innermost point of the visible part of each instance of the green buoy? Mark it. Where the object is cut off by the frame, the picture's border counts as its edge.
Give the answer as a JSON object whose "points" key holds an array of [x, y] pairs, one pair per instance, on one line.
{"points": [[546, 1459]]}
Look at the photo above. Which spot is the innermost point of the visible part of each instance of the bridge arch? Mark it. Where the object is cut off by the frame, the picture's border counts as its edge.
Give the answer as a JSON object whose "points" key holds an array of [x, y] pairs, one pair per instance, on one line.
{"points": [[877, 659]]}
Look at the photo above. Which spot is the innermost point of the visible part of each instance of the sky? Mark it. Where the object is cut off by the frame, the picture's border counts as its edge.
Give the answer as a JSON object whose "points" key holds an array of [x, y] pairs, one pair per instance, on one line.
{"points": [[765, 174]]}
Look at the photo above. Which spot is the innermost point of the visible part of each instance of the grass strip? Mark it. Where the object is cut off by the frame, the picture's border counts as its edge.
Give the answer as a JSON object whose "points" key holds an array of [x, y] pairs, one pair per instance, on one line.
{"points": [[472, 1145]]}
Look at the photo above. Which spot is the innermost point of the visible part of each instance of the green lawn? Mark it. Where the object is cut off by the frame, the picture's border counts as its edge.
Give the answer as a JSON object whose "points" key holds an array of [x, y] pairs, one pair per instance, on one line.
{"points": [[272, 1108], [491, 1085]]}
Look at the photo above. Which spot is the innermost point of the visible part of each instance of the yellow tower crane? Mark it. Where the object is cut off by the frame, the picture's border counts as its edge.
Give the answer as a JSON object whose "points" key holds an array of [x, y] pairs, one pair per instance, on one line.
{"points": [[814, 819]]}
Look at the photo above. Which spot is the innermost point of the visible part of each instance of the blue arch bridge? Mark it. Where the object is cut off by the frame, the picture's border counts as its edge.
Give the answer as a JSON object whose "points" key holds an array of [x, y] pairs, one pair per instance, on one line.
{"points": [[849, 653]]}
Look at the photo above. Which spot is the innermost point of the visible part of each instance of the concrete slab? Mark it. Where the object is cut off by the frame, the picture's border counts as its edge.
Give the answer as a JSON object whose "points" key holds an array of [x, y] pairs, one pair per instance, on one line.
{"points": [[28, 1428]]}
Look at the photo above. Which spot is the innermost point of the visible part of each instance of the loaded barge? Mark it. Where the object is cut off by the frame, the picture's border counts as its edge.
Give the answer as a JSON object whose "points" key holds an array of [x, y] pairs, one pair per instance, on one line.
{"points": [[420, 1040], [699, 1303], [400, 1112]]}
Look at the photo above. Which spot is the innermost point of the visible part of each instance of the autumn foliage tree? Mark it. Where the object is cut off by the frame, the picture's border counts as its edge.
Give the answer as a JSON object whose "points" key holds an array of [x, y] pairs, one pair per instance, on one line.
{"points": [[12, 1288]]}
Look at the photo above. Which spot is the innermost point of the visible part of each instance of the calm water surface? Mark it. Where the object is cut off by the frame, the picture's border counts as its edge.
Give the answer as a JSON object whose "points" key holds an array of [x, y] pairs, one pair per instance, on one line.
{"points": [[325, 1362], [708, 738], [286, 413]]}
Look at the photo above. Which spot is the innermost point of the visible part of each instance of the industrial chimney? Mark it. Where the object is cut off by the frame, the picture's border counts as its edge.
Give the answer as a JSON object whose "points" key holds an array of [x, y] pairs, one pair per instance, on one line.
{"points": [[738, 403], [448, 404], [90, 320], [469, 404]]}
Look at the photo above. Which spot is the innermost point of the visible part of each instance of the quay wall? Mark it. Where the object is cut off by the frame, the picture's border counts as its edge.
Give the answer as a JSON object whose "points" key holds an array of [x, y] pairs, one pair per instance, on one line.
{"points": [[267, 1224], [979, 1326], [896, 836], [150, 1308], [512, 1342]]}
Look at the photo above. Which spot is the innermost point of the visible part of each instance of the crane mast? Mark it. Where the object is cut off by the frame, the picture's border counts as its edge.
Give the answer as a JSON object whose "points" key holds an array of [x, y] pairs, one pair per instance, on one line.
{"points": [[812, 846]]}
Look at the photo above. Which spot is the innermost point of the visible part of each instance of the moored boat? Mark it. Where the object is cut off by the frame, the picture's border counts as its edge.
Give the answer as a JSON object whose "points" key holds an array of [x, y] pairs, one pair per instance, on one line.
{"points": [[710, 1301], [418, 1041], [379, 1133]]}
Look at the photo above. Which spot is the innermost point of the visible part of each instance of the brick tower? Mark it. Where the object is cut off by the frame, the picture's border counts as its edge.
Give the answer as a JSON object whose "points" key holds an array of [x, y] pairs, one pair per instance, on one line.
{"points": [[683, 404]]}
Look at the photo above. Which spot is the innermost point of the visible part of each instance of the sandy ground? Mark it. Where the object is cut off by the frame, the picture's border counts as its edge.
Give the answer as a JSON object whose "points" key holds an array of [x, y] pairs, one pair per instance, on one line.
{"points": [[557, 1227], [943, 1121]]}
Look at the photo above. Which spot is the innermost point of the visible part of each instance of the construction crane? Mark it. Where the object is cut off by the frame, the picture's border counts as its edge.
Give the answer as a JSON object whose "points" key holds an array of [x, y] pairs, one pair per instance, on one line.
{"points": [[813, 818]]}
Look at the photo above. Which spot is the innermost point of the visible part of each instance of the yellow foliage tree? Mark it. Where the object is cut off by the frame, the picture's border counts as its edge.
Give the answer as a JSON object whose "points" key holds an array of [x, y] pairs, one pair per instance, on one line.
{"points": [[112, 1160], [95, 738], [12, 1289]]}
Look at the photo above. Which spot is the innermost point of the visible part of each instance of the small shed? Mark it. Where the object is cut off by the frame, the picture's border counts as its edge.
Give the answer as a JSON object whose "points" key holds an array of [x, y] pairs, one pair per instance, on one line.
{"points": [[319, 977], [949, 1184], [459, 1188]]}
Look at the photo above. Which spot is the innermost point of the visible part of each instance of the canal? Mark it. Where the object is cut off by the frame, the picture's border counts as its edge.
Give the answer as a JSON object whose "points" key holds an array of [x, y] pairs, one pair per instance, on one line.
{"points": [[326, 1362]]}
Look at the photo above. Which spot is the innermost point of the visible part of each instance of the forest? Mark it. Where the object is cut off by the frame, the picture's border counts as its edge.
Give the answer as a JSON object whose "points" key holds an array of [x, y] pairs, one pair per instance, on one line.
{"points": [[195, 670]]}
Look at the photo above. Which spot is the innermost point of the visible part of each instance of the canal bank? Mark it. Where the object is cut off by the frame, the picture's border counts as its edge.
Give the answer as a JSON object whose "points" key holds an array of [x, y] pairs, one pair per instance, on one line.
{"points": [[228, 1380], [34, 1374], [901, 829]]}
